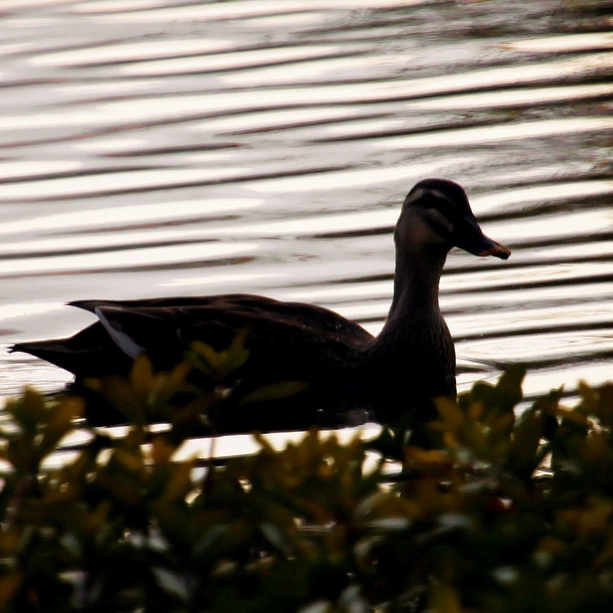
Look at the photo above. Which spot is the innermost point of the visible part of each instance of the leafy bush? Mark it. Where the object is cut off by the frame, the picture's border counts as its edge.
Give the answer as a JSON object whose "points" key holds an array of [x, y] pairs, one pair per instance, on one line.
{"points": [[495, 513]]}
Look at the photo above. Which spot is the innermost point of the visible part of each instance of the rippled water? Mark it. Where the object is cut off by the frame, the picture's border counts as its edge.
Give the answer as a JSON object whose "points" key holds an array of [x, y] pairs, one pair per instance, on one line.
{"points": [[159, 147]]}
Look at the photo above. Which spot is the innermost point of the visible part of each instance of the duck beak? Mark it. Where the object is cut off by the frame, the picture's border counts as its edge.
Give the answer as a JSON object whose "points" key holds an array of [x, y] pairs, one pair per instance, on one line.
{"points": [[474, 241], [500, 251]]}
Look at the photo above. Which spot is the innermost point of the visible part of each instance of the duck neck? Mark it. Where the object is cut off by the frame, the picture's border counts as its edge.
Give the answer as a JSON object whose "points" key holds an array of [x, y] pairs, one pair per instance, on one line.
{"points": [[416, 287]]}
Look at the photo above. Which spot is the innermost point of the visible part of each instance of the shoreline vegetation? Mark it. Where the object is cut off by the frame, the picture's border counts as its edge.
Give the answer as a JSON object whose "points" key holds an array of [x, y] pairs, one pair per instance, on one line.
{"points": [[480, 510]]}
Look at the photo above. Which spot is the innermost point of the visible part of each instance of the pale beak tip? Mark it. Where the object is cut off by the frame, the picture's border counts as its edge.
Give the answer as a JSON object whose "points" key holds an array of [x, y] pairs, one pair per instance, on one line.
{"points": [[500, 251]]}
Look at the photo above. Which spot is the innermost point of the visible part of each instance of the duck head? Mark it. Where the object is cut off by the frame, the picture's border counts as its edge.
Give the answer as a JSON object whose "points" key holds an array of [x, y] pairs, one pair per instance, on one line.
{"points": [[435, 217]]}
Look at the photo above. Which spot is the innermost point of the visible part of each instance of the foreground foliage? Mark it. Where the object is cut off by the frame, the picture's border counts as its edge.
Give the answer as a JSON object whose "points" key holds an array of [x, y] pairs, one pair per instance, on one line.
{"points": [[492, 513]]}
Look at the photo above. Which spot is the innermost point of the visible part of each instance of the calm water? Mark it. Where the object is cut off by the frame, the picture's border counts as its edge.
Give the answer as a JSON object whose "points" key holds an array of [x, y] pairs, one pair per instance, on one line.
{"points": [[159, 147]]}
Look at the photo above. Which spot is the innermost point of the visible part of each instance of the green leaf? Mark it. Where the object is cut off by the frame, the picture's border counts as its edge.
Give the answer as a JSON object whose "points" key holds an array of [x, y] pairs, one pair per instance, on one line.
{"points": [[523, 456], [27, 411], [444, 599], [604, 407], [172, 582], [141, 376], [237, 353], [180, 482], [10, 583], [204, 351], [274, 391], [60, 423], [510, 385], [120, 393]]}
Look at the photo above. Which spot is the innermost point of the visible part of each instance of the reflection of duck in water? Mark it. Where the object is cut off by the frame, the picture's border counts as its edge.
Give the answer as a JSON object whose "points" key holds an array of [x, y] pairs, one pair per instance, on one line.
{"points": [[411, 361]]}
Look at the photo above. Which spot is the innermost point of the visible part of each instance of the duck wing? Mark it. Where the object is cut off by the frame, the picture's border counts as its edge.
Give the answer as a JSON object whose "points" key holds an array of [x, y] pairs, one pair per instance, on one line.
{"points": [[286, 340], [283, 335]]}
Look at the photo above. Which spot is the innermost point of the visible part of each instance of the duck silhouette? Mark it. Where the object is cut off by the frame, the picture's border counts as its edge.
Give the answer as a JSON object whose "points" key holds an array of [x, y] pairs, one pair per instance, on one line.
{"points": [[344, 367]]}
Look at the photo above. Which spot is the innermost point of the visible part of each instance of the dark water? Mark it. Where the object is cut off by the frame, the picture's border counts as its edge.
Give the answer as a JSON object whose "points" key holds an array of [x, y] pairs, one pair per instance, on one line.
{"points": [[152, 148]]}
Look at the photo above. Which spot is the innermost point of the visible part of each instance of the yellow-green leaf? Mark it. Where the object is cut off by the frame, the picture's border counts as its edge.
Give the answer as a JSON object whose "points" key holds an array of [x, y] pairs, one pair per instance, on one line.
{"points": [[274, 391]]}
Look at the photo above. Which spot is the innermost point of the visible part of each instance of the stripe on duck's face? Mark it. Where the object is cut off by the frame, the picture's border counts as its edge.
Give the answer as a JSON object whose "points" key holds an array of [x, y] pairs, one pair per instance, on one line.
{"points": [[428, 218], [436, 208]]}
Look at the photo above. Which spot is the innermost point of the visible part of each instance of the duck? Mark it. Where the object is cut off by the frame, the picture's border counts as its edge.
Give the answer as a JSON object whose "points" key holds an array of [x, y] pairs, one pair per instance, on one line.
{"points": [[344, 367]]}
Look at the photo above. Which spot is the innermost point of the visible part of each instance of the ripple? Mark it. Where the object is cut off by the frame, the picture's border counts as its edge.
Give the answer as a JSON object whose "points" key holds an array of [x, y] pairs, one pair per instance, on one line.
{"points": [[240, 9], [239, 60], [132, 258], [345, 178], [126, 52], [112, 218], [116, 182], [165, 147], [497, 134], [565, 43], [516, 97]]}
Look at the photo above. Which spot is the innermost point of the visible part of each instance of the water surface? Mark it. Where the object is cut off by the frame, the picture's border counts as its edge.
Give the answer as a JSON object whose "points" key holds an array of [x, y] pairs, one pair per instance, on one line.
{"points": [[152, 148]]}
